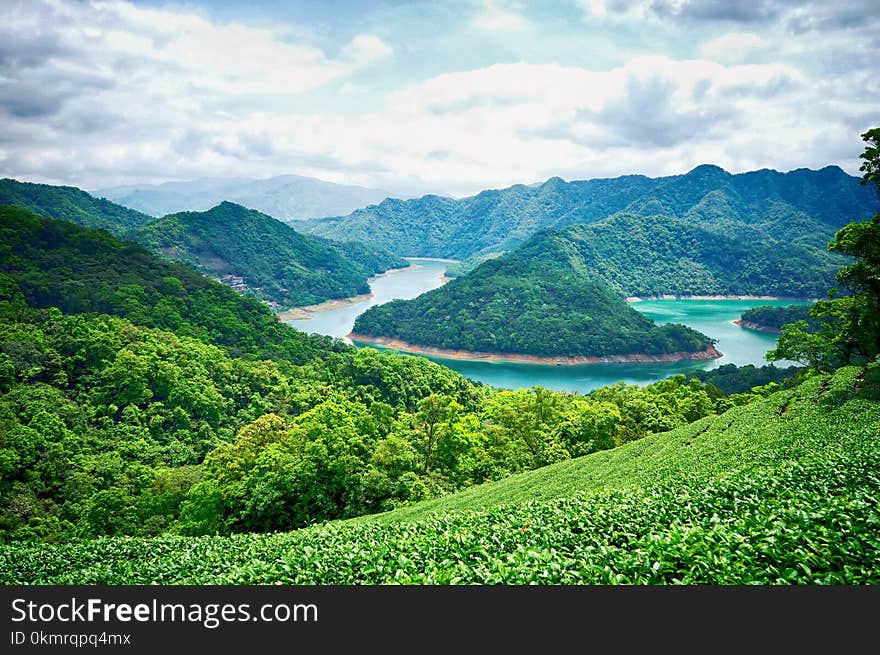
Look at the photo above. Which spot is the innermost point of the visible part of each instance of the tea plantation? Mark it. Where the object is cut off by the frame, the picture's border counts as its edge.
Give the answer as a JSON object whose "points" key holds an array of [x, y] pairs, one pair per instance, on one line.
{"points": [[781, 491]]}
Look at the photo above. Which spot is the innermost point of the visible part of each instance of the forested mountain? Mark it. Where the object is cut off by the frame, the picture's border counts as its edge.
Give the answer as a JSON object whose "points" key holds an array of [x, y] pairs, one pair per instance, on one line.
{"points": [[771, 319], [275, 262], [543, 299], [78, 270], [140, 397], [656, 255], [561, 292], [70, 204], [808, 204], [286, 197]]}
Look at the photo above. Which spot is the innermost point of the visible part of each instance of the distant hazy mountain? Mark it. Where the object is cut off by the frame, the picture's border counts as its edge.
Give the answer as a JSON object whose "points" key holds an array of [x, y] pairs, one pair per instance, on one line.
{"points": [[286, 197], [802, 203]]}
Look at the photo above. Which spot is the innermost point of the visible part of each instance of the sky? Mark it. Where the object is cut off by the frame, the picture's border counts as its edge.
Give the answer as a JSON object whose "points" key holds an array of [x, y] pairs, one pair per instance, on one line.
{"points": [[446, 97]]}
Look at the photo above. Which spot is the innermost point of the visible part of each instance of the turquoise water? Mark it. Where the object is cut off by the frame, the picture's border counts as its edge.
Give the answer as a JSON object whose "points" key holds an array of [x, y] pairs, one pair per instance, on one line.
{"points": [[711, 317], [422, 276]]}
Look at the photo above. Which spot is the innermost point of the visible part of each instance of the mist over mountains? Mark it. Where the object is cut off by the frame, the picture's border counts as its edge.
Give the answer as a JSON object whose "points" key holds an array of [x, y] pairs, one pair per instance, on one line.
{"points": [[285, 197]]}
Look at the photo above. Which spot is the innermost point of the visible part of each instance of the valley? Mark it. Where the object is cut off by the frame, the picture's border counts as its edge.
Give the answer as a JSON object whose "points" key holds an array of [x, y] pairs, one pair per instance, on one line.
{"points": [[713, 317]]}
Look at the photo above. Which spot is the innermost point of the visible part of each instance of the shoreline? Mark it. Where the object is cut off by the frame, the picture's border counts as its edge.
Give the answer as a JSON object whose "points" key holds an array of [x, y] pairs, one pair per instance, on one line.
{"points": [[306, 312], [669, 296], [748, 325], [513, 358]]}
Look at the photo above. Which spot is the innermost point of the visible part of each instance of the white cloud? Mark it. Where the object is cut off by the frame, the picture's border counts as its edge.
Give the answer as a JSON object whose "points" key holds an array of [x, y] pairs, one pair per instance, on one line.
{"points": [[496, 18], [365, 49], [106, 93], [735, 47]]}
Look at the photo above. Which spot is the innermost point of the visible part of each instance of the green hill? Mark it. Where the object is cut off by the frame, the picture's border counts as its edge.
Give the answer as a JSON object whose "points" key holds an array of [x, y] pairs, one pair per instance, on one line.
{"points": [[807, 204], [658, 255], [79, 270], [70, 204], [275, 262], [561, 292], [542, 299], [772, 319], [781, 491]]}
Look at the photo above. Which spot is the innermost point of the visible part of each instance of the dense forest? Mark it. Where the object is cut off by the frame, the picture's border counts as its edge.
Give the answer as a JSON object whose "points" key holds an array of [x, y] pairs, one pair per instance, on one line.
{"points": [[541, 300], [772, 319], [806, 204], [658, 255], [275, 262], [139, 397], [71, 204], [270, 261]]}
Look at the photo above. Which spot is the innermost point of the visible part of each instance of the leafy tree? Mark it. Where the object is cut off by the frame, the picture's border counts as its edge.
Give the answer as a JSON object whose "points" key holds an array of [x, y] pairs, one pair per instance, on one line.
{"points": [[851, 323], [434, 411]]}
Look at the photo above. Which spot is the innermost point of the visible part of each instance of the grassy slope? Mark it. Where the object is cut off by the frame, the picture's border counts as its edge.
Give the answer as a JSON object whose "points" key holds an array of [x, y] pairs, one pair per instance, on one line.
{"points": [[784, 490], [742, 438]]}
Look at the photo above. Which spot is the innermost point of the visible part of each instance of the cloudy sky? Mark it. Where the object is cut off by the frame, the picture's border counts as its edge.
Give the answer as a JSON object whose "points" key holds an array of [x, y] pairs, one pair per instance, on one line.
{"points": [[449, 97]]}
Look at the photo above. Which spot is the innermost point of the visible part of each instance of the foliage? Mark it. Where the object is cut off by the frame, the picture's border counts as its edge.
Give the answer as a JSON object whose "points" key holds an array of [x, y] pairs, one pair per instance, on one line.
{"points": [[754, 496], [540, 300], [276, 262], [773, 318], [849, 324], [70, 204]]}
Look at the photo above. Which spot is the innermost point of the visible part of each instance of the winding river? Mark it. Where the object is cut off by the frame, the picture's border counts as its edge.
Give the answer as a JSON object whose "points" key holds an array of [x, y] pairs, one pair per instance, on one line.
{"points": [[711, 317]]}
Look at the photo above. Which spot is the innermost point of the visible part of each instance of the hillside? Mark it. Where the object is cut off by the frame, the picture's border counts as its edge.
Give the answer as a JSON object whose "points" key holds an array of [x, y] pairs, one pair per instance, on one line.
{"points": [[275, 262], [776, 492], [808, 204], [541, 300], [70, 204], [288, 197], [79, 270], [138, 397], [771, 319], [659, 255]]}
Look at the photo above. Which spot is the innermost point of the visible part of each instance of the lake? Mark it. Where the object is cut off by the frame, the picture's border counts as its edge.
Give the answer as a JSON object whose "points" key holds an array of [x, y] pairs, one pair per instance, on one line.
{"points": [[711, 317]]}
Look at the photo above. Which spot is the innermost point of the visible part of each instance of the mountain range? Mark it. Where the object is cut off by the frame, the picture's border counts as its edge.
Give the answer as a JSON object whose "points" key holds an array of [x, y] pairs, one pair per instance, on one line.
{"points": [[561, 292], [286, 197], [249, 250], [807, 204]]}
